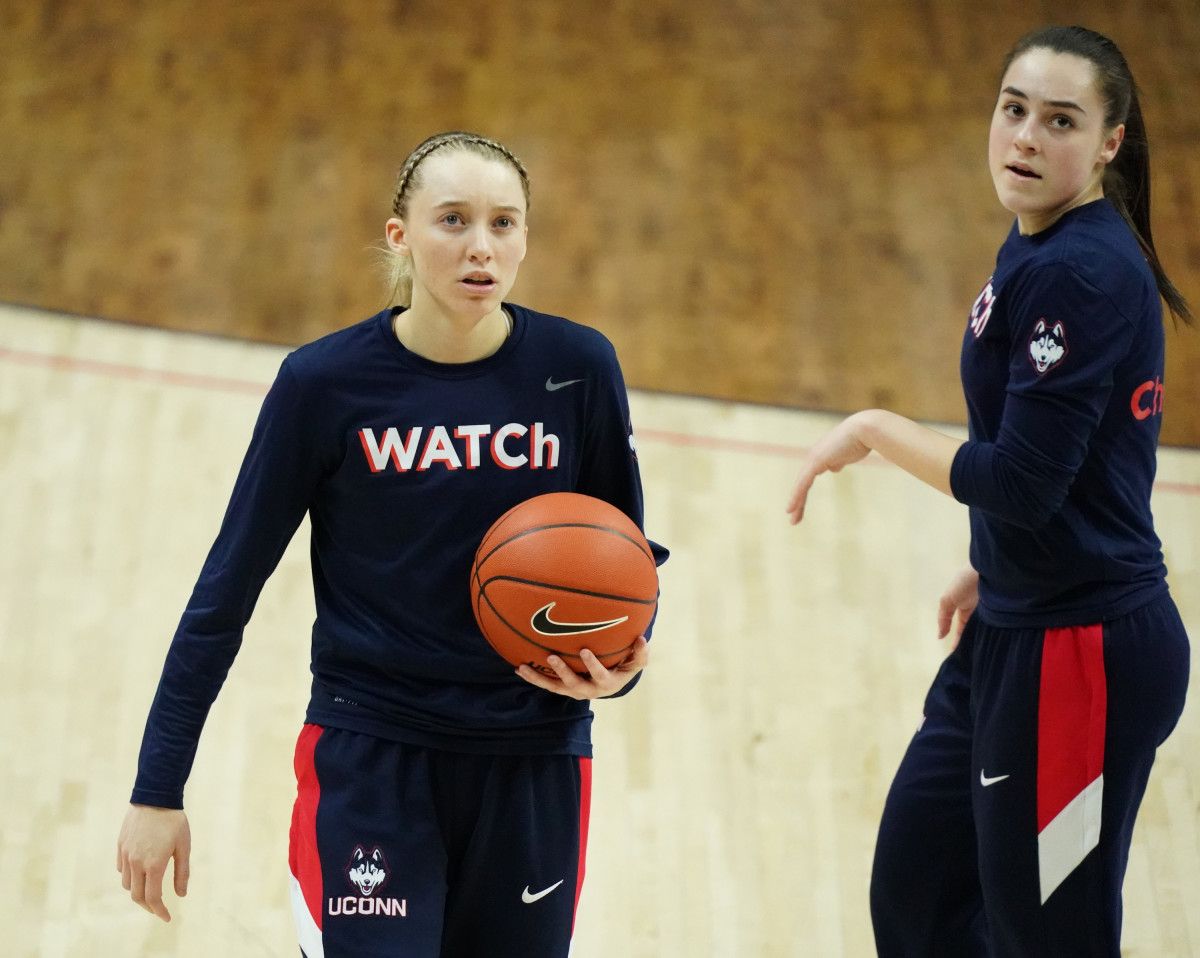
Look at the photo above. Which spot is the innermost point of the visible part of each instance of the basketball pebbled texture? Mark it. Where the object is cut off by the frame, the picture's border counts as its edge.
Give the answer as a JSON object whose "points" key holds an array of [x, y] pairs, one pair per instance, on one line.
{"points": [[563, 572]]}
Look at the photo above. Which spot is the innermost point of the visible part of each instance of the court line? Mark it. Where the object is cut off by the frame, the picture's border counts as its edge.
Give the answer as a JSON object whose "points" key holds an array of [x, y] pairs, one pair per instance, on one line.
{"points": [[721, 443], [167, 377], [101, 367]]}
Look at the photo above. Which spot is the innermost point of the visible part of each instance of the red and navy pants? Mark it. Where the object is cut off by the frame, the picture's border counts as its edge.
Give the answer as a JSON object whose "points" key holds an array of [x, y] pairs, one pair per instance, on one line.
{"points": [[1007, 829], [398, 849]]}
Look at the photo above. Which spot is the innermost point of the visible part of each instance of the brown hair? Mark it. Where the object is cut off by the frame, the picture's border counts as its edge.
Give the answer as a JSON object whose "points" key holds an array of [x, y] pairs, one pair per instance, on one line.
{"points": [[1127, 178], [408, 181]]}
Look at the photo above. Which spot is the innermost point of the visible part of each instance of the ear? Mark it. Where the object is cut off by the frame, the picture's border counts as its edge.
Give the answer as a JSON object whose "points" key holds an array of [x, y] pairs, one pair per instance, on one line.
{"points": [[396, 234], [1108, 150]]}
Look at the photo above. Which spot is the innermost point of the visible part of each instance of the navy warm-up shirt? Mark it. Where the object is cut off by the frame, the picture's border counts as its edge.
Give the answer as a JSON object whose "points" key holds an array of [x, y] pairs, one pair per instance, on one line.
{"points": [[1062, 366], [402, 464]]}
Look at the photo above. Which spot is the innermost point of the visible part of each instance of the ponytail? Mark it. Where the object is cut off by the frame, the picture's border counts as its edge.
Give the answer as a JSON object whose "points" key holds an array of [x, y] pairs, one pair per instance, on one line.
{"points": [[1127, 187]]}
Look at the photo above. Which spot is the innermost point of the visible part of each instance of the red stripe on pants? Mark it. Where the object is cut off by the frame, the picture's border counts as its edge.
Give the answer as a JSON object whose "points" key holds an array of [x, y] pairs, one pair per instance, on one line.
{"points": [[303, 857], [585, 814], [1071, 717]]}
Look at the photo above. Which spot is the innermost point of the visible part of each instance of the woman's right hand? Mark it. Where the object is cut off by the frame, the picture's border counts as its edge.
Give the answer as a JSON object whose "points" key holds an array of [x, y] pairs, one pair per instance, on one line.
{"points": [[149, 838], [957, 603]]}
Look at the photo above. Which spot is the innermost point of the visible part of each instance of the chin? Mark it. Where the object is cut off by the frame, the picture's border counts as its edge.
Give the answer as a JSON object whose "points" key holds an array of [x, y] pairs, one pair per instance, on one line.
{"points": [[1017, 204]]}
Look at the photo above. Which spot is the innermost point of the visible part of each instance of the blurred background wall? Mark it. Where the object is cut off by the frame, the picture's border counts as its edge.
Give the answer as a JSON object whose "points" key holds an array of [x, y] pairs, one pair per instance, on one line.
{"points": [[776, 201]]}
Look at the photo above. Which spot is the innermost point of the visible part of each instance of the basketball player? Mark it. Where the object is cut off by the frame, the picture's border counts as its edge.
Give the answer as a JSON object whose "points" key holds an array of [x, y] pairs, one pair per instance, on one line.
{"points": [[1007, 828], [442, 802]]}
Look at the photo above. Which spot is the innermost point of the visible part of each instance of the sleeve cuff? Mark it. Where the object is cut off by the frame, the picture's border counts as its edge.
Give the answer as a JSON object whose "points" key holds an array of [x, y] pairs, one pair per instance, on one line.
{"points": [[156, 799]]}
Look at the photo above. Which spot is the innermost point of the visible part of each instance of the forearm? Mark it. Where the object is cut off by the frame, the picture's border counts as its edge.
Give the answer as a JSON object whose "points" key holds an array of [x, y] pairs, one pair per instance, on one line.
{"points": [[920, 451]]}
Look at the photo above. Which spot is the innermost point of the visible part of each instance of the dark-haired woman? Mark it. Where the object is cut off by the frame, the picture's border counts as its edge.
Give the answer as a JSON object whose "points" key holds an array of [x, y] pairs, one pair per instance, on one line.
{"points": [[1007, 829], [442, 801]]}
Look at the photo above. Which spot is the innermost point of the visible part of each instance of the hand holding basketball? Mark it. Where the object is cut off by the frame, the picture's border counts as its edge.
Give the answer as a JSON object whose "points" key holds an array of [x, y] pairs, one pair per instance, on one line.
{"points": [[598, 683]]}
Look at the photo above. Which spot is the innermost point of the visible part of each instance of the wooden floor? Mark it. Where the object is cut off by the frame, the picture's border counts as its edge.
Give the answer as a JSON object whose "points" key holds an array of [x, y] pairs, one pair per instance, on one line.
{"points": [[737, 790]]}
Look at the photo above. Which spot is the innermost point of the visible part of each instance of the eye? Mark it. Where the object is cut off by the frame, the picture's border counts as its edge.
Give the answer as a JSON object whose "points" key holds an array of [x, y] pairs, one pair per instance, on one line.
{"points": [[1061, 122], [505, 222], [1014, 110], [452, 219]]}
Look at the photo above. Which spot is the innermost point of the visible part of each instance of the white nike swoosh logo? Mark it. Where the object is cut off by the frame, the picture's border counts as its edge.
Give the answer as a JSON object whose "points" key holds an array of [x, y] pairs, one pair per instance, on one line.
{"points": [[551, 385], [544, 625], [530, 897], [985, 781]]}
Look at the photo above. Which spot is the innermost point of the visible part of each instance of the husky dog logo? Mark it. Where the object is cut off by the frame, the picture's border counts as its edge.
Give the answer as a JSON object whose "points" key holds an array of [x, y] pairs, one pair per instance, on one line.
{"points": [[367, 872], [1047, 346]]}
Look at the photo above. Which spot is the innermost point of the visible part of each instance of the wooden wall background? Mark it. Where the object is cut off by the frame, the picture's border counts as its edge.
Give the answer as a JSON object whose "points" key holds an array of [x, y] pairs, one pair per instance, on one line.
{"points": [[778, 201]]}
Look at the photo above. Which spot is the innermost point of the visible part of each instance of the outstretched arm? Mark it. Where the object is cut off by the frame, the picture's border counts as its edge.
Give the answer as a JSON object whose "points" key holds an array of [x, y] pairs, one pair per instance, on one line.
{"points": [[920, 451]]}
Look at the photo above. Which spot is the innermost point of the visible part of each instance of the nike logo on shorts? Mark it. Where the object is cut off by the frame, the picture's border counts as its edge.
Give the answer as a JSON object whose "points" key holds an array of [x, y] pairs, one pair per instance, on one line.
{"points": [[985, 781]]}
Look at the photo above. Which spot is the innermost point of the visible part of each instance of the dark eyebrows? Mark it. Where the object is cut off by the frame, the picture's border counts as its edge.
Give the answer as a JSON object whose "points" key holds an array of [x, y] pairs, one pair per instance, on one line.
{"points": [[1060, 104]]}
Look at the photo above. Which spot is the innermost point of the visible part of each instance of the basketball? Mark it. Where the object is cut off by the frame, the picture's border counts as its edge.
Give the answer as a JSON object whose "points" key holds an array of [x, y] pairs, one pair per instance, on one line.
{"points": [[563, 572]]}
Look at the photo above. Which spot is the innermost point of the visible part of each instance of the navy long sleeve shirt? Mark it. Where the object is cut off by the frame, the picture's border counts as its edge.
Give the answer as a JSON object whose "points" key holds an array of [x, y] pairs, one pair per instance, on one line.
{"points": [[401, 464], [1062, 367]]}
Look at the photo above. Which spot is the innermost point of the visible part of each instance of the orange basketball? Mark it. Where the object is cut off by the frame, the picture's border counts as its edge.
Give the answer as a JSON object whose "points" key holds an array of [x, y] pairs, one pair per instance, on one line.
{"points": [[563, 572]]}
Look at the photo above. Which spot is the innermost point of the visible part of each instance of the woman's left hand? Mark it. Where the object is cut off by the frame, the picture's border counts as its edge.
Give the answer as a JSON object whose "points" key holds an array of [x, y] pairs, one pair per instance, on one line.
{"points": [[598, 683]]}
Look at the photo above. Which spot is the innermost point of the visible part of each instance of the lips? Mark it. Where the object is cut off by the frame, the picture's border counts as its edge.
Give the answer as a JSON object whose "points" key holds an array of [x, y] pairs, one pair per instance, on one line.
{"points": [[1023, 171], [479, 280]]}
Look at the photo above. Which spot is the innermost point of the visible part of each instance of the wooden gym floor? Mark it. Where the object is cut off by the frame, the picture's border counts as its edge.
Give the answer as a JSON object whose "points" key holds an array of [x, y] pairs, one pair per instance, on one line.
{"points": [[736, 792]]}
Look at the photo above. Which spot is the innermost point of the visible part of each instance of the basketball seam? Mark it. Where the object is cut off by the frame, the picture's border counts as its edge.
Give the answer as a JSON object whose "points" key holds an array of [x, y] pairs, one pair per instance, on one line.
{"points": [[480, 558], [484, 583]]}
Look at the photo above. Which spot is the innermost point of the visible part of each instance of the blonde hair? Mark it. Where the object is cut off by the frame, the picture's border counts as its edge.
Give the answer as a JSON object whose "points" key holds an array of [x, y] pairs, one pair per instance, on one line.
{"points": [[398, 268]]}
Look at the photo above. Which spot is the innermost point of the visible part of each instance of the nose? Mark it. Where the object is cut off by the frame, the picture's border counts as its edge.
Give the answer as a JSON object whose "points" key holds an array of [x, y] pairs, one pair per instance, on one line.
{"points": [[1025, 136], [479, 244]]}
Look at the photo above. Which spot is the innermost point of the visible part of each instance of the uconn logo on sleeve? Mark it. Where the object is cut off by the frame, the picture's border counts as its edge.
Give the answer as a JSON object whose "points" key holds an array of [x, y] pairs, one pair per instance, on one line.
{"points": [[512, 446], [1047, 346]]}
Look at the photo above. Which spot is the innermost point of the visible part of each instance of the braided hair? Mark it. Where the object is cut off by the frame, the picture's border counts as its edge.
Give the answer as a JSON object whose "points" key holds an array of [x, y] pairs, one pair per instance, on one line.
{"points": [[408, 181]]}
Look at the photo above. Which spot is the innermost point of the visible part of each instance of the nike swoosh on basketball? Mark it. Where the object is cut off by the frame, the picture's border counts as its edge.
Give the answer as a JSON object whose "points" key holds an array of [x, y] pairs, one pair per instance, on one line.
{"points": [[530, 897], [551, 385], [545, 625], [985, 781]]}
